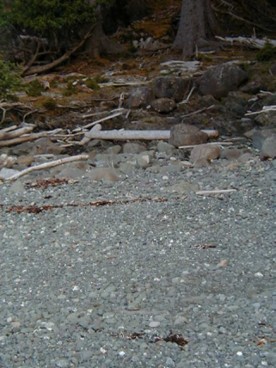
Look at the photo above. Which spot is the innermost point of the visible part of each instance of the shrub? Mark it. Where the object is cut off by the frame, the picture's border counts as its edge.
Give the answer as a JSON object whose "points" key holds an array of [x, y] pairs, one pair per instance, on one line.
{"points": [[10, 80]]}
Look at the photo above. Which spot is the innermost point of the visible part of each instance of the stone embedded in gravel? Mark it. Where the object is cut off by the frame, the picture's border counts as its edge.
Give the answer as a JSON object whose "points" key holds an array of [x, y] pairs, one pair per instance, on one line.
{"points": [[269, 148], [103, 173], [143, 160], [163, 105], [183, 187], [266, 118], [133, 148], [204, 153], [164, 147], [231, 153], [186, 135], [114, 150], [171, 87], [6, 173], [221, 79]]}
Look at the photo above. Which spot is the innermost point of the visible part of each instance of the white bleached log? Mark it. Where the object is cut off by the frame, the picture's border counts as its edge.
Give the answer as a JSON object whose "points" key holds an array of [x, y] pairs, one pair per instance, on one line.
{"points": [[48, 165], [122, 135]]}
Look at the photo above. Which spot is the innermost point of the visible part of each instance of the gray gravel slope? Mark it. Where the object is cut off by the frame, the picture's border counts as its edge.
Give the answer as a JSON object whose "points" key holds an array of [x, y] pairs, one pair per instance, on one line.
{"points": [[106, 286]]}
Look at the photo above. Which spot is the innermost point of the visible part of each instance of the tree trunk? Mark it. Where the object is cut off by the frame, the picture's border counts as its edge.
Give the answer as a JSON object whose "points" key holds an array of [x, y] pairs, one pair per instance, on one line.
{"points": [[197, 25]]}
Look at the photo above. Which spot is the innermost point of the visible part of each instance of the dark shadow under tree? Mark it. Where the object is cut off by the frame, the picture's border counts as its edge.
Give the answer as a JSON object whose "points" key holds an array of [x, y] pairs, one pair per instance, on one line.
{"points": [[197, 26]]}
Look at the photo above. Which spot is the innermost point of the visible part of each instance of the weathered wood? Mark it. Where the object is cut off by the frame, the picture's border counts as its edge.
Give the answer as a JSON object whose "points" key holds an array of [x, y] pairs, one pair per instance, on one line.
{"points": [[122, 135], [4, 135], [48, 165], [215, 191]]}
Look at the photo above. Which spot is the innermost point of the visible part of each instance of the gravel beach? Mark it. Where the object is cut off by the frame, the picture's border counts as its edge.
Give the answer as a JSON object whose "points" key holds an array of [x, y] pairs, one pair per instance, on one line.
{"points": [[141, 272]]}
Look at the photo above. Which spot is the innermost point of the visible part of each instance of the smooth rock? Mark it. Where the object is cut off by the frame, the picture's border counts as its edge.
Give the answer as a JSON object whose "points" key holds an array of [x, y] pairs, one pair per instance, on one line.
{"points": [[164, 147], [183, 187], [269, 148], [185, 135], [7, 173], [171, 87], [163, 105], [231, 153], [221, 79], [143, 161], [103, 173], [133, 148], [140, 97], [204, 153]]}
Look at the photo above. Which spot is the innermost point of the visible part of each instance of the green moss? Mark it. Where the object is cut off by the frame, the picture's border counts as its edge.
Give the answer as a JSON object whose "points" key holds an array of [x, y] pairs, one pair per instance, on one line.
{"points": [[10, 80], [49, 104], [91, 83], [71, 89], [267, 53], [34, 88]]}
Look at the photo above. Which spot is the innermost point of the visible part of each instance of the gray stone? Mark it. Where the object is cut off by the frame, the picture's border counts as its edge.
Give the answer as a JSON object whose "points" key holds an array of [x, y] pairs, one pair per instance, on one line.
{"points": [[140, 97], [231, 153], [133, 148], [185, 135], [269, 148], [164, 147], [171, 87], [143, 160], [163, 105], [204, 153], [103, 173], [221, 79], [266, 119]]}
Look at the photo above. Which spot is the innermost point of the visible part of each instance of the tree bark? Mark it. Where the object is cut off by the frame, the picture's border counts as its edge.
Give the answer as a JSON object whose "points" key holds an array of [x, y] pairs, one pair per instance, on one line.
{"points": [[197, 25]]}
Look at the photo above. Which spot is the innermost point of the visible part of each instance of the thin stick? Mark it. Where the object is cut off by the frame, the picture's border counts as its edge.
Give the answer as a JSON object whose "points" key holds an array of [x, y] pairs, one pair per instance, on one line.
{"points": [[208, 144], [216, 191], [48, 165], [198, 111], [188, 97], [103, 119]]}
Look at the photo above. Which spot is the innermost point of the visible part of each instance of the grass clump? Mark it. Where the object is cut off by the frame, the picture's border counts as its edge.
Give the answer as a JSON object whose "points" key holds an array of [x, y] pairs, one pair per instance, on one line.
{"points": [[267, 53], [10, 80], [34, 88]]}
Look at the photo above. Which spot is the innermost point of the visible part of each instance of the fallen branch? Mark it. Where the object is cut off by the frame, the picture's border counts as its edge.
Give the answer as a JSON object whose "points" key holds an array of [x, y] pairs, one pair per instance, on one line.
{"points": [[15, 133], [48, 165], [198, 111], [208, 144], [216, 191], [253, 42], [265, 109], [44, 68], [27, 138], [122, 135], [103, 119]]}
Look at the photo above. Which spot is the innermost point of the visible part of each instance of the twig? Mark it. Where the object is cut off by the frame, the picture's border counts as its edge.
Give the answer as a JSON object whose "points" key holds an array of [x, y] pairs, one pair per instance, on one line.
{"points": [[4, 114], [198, 111], [48, 165], [216, 191], [265, 109], [16, 133], [208, 144], [188, 97], [103, 119]]}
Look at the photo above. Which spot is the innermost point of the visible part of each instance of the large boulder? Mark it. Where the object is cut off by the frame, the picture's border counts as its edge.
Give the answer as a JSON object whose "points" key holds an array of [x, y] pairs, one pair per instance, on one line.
{"points": [[186, 135], [221, 79]]}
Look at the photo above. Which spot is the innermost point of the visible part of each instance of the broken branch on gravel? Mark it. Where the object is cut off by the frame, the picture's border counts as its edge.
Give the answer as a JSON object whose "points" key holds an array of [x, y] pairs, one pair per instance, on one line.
{"points": [[48, 165], [136, 134], [265, 109], [215, 191], [15, 133]]}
